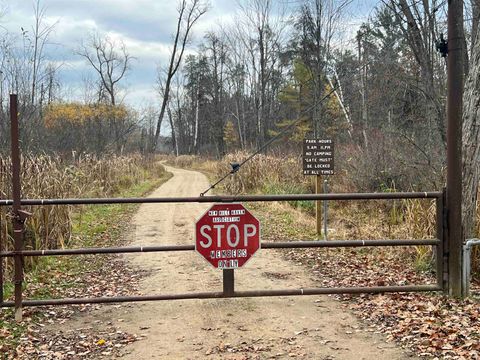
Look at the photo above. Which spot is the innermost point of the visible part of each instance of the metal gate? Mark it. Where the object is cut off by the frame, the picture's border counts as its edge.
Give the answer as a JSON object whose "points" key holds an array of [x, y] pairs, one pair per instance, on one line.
{"points": [[19, 217]]}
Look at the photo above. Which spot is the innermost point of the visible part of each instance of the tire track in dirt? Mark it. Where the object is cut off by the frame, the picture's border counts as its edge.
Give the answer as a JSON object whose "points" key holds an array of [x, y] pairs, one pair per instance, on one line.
{"points": [[310, 327]]}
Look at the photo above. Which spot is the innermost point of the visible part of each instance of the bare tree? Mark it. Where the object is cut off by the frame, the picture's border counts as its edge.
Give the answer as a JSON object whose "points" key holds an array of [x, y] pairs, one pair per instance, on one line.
{"points": [[421, 28], [174, 111], [41, 33], [109, 60], [261, 29], [471, 141], [189, 11]]}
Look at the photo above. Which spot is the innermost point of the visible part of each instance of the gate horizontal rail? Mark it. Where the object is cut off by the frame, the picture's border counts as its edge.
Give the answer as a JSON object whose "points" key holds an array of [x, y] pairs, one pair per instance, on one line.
{"points": [[264, 245], [228, 199], [236, 294], [231, 292]]}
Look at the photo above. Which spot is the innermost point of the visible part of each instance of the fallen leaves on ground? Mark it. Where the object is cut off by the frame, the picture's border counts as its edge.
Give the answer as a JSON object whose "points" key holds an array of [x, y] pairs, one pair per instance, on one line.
{"points": [[73, 277], [430, 324], [73, 344], [103, 277]]}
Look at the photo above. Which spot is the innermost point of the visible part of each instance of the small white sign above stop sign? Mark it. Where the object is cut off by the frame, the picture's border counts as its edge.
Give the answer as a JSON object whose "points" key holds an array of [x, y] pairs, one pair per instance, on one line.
{"points": [[227, 235]]}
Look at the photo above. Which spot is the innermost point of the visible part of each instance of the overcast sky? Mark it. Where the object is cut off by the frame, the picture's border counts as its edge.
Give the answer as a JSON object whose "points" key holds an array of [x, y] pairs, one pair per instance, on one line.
{"points": [[145, 26]]}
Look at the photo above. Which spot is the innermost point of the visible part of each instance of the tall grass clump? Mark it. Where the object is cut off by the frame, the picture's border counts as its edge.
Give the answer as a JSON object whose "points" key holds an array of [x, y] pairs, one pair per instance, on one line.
{"points": [[413, 218], [47, 176], [264, 172], [420, 223], [194, 162], [267, 174]]}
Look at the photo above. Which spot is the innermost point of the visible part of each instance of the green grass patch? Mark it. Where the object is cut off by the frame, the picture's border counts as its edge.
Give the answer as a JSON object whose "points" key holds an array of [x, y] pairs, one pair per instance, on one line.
{"points": [[281, 223], [285, 188], [98, 224]]}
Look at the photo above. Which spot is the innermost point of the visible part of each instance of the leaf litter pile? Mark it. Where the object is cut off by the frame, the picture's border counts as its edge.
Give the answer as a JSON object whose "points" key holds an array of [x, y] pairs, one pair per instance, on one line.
{"points": [[37, 337], [429, 324]]}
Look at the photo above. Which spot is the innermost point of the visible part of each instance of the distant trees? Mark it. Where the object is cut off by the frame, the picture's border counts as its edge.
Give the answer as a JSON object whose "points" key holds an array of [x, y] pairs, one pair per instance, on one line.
{"points": [[85, 127], [110, 61], [24, 69], [249, 81], [234, 79], [421, 29], [49, 123], [316, 25], [189, 11], [41, 33]]}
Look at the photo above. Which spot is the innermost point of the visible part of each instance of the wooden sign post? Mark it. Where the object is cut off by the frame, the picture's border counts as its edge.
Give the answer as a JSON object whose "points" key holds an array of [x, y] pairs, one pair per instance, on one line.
{"points": [[318, 161], [318, 204]]}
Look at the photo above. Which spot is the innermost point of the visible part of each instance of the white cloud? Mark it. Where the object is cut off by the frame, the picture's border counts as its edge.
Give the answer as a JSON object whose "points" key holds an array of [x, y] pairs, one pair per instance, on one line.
{"points": [[145, 26], [141, 95]]}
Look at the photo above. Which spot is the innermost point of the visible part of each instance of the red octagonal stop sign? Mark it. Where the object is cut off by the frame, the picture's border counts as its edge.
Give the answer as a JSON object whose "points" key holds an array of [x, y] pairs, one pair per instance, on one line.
{"points": [[227, 235]]}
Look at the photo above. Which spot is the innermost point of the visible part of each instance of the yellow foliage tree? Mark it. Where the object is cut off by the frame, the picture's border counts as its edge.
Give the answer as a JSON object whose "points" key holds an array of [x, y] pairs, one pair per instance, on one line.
{"points": [[299, 95], [78, 114], [230, 135]]}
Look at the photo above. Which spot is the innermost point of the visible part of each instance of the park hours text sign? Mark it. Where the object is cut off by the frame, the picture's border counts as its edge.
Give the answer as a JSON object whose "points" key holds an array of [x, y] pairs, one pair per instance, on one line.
{"points": [[227, 235], [318, 157]]}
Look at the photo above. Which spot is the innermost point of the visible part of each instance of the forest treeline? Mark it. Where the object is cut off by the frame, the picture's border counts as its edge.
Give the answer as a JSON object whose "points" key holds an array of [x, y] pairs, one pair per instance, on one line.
{"points": [[377, 87]]}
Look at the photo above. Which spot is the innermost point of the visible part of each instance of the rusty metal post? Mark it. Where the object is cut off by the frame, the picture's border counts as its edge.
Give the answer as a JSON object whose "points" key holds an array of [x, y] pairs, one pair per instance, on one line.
{"points": [[17, 219], [454, 145], [228, 282], [441, 255]]}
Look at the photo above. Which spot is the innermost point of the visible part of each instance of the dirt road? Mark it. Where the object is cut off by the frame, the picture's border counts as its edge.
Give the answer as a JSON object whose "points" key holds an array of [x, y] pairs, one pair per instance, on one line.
{"points": [[260, 328]]}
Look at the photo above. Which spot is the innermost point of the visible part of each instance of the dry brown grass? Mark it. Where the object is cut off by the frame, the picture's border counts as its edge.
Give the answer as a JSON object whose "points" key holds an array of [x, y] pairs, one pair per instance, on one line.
{"points": [[395, 219], [48, 177], [263, 171]]}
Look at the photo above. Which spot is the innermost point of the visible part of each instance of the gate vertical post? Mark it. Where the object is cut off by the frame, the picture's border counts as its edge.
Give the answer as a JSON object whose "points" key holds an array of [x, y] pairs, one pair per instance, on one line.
{"points": [[455, 70], [441, 257], [228, 282], [17, 219]]}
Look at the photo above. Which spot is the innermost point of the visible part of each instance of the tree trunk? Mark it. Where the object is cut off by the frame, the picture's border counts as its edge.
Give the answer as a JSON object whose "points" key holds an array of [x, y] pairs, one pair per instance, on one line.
{"points": [[197, 109], [471, 142], [172, 126]]}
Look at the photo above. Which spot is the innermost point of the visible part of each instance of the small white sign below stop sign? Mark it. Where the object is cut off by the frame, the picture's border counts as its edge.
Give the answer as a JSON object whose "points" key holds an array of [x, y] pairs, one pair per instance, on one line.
{"points": [[227, 235]]}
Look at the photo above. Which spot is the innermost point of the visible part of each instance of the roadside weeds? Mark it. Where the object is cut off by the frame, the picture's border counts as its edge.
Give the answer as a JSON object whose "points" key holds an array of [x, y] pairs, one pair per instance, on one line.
{"points": [[76, 277]]}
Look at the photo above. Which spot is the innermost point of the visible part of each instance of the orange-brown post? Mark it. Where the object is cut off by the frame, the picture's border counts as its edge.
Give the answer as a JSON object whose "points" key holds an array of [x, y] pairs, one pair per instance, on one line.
{"points": [[455, 70]]}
